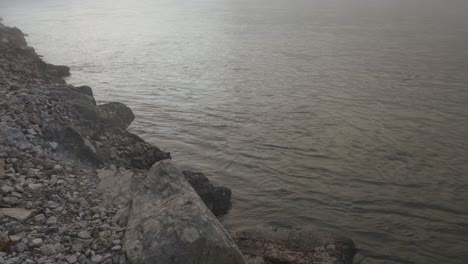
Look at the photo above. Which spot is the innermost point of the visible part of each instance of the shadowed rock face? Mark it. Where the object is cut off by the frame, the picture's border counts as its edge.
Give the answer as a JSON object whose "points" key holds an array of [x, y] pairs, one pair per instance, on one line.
{"points": [[217, 199], [168, 223]]}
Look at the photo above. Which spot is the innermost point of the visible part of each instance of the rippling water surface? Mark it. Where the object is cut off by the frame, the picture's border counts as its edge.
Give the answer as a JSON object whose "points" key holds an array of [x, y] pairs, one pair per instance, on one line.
{"points": [[343, 116]]}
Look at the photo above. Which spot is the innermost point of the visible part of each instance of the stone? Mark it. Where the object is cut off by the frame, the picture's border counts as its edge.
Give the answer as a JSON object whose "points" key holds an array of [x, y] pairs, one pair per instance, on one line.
{"points": [[217, 199], [58, 71], [21, 247], [84, 235], [71, 259], [81, 259], [53, 145], [166, 209], [19, 214], [2, 168], [96, 259], [54, 206], [116, 248], [51, 220], [39, 217], [36, 242], [116, 114], [77, 247], [34, 186], [6, 189], [85, 90], [48, 250], [10, 200]]}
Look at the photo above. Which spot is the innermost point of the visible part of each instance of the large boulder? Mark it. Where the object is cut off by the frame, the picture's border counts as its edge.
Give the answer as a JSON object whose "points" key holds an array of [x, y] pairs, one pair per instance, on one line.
{"points": [[117, 114], [168, 223], [217, 199], [58, 71]]}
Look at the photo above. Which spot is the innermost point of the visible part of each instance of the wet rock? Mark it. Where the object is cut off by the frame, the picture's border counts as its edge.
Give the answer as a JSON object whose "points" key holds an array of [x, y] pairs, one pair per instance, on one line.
{"points": [[217, 199], [117, 115]]}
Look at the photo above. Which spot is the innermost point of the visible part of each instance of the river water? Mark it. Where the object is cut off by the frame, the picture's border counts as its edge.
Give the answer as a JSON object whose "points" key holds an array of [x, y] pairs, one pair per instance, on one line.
{"points": [[326, 115]]}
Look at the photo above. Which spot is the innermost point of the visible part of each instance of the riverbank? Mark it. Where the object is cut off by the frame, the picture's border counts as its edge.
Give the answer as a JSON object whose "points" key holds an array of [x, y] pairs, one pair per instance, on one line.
{"points": [[58, 146]]}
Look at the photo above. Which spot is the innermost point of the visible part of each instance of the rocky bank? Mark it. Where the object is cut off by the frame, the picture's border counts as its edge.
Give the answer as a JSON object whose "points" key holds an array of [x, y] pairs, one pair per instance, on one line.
{"points": [[77, 187]]}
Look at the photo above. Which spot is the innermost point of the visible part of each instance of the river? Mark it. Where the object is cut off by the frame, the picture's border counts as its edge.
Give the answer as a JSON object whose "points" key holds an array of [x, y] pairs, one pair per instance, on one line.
{"points": [[325, 115]]}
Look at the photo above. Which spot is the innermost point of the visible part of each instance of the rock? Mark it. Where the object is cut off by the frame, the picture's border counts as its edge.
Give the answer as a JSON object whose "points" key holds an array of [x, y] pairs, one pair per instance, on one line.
{"points": [[53, 145], [34, 186], [72, 145], [217, 199], [19, 214], [116, 114], [39, 217], [10, 200], [48, 250], [123, 259], [51, 220], [77, 247], [71, 259], [96, 259], [6, 189], [167, 210], [58, 71], [54, 206], [116, 248], [84, 235], [85, 90], [2, 168], [21, 247], [36, 242]]}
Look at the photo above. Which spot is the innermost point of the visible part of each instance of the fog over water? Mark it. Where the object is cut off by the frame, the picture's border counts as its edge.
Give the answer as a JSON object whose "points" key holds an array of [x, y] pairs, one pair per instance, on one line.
{"points": [[343, 116]]}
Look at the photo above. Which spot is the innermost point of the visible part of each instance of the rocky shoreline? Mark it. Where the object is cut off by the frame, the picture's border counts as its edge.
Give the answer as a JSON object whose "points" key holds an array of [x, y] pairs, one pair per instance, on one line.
{"points": [[77, 187]]}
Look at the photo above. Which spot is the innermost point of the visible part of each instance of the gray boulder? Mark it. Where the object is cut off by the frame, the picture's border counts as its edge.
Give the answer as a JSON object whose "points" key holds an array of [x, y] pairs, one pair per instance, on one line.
{"points": [[117, 114], [169, 224]]}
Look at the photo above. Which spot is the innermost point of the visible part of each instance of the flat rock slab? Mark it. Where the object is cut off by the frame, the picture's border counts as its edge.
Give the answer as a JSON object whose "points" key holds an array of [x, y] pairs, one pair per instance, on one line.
{"points": [[19, 214]]}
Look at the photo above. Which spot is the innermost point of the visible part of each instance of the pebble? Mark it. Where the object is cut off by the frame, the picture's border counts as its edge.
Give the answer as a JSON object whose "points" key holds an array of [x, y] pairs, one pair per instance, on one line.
{"points": [[54, 206], [84, 234], [81, 259], [71, 259], [36, 242], [116, 248], [53, 145], [51, 220], [39, 217], [96, 258]]}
